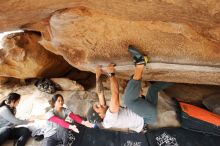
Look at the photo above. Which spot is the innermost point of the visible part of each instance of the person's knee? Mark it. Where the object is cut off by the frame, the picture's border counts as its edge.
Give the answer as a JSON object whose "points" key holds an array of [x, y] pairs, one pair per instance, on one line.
{"points": [[25, 131], [62, 132], [5, 130], [4, 134], [66, 132], [65, 137], [127, 100], [62, 129]]}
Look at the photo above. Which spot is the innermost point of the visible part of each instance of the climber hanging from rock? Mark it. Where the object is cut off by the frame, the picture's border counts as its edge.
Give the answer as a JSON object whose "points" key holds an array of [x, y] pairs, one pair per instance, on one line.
{"points": [[138, 111]]}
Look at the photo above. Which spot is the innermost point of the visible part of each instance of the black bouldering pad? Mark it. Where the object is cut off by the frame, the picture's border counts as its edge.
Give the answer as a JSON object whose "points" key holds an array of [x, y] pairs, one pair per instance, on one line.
{"points": [[159, 137], [102, 137], [133, 139], [180, 137]]}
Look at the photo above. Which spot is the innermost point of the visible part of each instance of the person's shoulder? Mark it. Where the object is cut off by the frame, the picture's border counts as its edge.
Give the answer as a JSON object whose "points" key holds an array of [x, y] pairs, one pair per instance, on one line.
{"points": [[4, 107], [50, 112], [109, 113], [110, 119]]}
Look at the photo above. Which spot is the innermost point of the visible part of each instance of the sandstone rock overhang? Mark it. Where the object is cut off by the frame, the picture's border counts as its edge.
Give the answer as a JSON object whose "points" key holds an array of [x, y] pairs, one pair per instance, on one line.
{"points": [[180, 37]]}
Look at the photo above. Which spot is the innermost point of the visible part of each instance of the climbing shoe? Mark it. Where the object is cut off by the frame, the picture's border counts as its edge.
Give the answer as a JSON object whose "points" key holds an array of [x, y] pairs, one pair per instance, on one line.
{"points": [[138, 58]]}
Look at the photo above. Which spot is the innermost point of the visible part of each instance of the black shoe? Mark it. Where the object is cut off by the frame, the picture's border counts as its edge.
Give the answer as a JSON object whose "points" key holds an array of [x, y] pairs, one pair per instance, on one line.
{"points": [[138, 58], [38, 137]]}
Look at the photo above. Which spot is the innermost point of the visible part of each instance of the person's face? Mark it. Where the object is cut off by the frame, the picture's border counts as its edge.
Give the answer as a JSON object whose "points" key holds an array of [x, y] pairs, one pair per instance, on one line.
{"points": [[14, 104], [100, 109], [59, 102]]}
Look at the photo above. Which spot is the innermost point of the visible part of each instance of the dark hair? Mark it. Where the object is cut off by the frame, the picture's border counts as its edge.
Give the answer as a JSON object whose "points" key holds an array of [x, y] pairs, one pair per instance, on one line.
{"points": [[93, 116], [12, 97], [54, 99]]}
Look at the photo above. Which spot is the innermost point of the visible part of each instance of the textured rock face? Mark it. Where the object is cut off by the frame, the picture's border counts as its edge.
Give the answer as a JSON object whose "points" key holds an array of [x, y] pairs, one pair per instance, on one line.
{"points": [[178, 52], [192, 93], [23, 57], [95, 36], [67, 84], [3, 80], [180, 37], [204, 13]]}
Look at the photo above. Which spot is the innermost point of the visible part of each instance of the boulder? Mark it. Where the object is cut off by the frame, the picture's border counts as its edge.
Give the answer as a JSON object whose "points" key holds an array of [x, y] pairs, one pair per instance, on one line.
{"points": [[212, 103], [166, 113], [23, 57], [3, 80], [192, 93], [67, 84]]}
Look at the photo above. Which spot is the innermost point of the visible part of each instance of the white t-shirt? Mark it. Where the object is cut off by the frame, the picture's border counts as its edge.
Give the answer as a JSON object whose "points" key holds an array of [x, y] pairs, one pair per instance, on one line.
{"points": [[125, 118]]}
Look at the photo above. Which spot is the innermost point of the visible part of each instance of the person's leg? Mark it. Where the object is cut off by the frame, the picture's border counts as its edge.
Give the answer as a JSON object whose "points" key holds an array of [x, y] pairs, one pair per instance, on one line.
{"points": [[4, 134], [134, 86], [152, 94], [22, 134], [138, 105], [63, 135], [50, 141]]}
